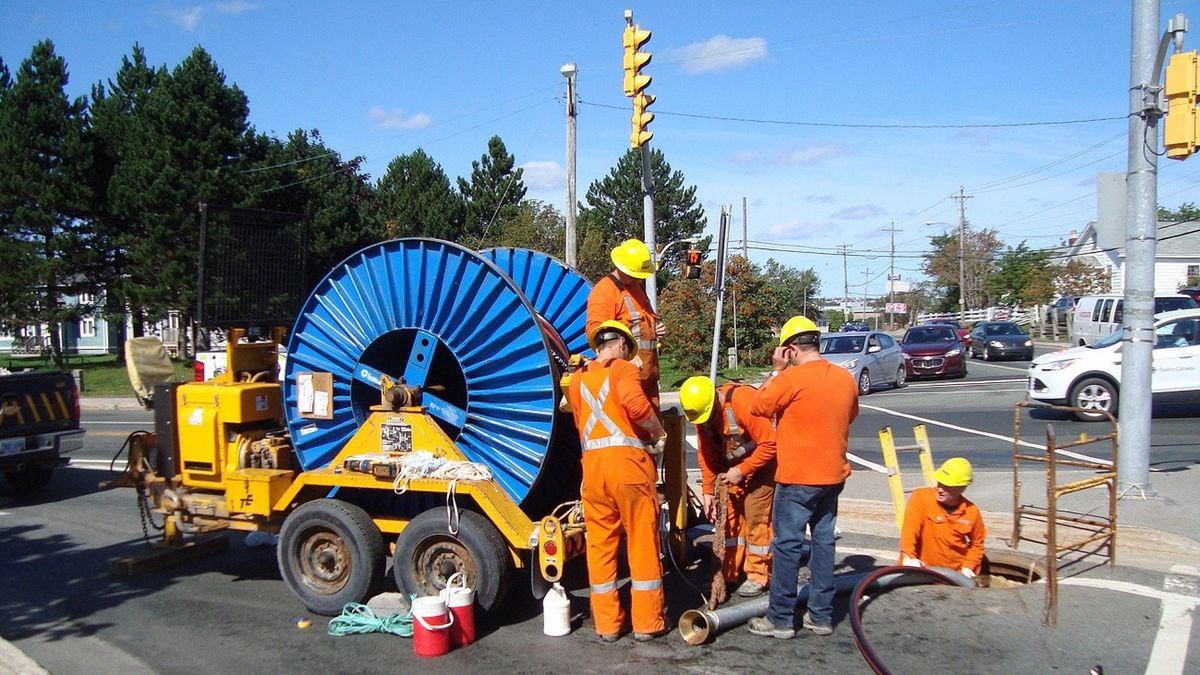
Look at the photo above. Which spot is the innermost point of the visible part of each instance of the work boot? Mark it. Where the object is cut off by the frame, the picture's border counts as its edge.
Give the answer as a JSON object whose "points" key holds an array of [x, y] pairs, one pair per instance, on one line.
{"points": [[609, 638], [761, 625], [816, 628], [646, 637], [751, 589]]}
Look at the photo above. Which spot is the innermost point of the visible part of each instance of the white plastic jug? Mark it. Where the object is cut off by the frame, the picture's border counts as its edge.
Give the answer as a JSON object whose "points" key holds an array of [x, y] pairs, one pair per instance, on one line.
{"points": [[556, 612]]}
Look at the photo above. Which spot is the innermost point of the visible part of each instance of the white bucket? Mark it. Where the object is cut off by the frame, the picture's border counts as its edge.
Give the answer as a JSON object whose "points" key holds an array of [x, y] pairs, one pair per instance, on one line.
{"points": [[556, 612]]}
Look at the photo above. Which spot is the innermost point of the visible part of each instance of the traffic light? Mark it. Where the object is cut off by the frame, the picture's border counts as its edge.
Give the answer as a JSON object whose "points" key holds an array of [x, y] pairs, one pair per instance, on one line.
{"points": [[1181, 130], [635, 60], [641, 119], [693, 264]]}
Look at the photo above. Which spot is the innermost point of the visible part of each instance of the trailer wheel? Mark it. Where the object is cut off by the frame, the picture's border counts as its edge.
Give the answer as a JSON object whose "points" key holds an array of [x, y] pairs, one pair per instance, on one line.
{"points": [[427, 555], [330, 553], [29, 479]]}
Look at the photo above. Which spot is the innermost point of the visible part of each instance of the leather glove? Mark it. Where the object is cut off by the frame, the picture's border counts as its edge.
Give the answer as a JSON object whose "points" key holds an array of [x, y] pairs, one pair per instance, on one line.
{"points": [[912, 562], [657, 447]]}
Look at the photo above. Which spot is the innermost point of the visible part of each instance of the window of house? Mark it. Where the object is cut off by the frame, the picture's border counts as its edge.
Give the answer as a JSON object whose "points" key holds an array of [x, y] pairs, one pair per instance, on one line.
{"points": [[86, 298], [1193, 271], [87, 327]]}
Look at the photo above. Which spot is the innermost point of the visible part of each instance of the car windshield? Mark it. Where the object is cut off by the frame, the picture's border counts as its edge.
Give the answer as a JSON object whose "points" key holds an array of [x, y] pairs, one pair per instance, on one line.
{"points": [[843, 344], [1004, 329], [929, 334]]}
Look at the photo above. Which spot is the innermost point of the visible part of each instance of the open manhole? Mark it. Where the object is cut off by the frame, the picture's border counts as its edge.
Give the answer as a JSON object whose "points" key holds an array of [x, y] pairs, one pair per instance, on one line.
{"points": [[1009, 569]]}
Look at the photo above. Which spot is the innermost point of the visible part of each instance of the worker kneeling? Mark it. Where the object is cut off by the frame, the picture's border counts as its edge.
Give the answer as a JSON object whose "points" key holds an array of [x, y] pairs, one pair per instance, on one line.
{"points": [[619, 430], [941, 527], [738, 449]]}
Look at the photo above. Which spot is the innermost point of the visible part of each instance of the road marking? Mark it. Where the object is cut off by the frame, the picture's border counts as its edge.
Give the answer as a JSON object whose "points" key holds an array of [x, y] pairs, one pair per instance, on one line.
{"points": [[1169, 653], [977, 432], [1002, 367], [877, 468], [963, 383], [95, 464], [108, 434], [124, 424]]}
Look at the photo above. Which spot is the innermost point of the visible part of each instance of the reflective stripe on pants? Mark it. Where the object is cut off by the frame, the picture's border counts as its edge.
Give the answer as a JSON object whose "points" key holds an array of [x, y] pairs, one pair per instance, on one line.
{"points": [[748, 529]]}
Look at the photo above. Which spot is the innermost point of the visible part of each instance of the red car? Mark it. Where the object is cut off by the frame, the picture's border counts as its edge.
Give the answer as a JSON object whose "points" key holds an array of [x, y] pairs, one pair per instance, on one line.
{"points": [[933, 350], [964, 333]]}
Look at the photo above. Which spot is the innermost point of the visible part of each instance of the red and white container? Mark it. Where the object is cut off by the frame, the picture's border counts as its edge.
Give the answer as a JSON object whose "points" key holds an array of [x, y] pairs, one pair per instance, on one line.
{"points": [[460, 601], [431, 626]]}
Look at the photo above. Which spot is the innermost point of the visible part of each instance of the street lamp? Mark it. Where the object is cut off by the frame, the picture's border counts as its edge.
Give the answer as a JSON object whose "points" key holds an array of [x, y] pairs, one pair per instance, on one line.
{"points": [[962, 276]]}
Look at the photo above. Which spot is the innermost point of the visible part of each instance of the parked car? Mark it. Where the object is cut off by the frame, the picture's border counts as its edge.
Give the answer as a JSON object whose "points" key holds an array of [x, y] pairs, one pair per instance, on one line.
{"points": [[873, 358], [1097, 316], [1061, 309], [964, 333], [933, 351], [855, 327], [39, 426], [1000, 340], [1193, 293], [1089, 377]]}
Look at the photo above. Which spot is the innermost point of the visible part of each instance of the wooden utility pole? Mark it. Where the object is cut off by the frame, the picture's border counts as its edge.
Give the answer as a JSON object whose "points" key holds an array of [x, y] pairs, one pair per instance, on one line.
{"points": [[892, 269], [962, 250]]}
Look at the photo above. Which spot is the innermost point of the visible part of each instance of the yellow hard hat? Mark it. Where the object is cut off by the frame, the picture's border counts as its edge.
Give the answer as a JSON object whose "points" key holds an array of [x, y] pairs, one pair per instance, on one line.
{"points": [[696, 396], [795, 326], [609, 330], [955, 472], [633, 258]]}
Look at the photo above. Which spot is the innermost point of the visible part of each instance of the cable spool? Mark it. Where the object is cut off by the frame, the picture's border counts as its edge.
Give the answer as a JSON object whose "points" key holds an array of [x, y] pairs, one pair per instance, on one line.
{"points": [[453, 322]]}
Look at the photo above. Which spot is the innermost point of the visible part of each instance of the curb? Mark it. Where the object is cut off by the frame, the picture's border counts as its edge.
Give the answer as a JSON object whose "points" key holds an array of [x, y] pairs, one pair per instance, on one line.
{"points": [[109, 403], [13, 660]]}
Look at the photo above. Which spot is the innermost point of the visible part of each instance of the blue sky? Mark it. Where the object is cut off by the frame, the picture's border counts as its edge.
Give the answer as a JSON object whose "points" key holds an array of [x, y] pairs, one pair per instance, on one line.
{"points": [[864, 113]]}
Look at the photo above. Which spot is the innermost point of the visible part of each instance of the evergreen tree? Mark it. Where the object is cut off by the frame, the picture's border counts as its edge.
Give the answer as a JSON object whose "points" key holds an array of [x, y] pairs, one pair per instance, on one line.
{"points": [[304, 175], [184, 148], [415, 199], [43, 196], [615, 205], [494, 193]]}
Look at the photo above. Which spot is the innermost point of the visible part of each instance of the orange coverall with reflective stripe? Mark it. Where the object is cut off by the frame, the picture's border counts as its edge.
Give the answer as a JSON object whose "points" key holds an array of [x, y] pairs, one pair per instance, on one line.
{"points": [[748, 519], [618, 494], [612, 300], [939, 537]]}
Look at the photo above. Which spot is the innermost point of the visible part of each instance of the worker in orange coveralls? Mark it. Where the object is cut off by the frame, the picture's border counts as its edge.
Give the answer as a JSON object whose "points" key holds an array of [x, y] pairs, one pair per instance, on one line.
{"points": [[619, 431], [741, 448], [621, 296], [941, 527]]}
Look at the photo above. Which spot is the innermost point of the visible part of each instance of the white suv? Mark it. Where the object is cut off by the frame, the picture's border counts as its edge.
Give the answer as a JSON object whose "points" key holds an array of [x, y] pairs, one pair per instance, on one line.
{"points": [[1090, 376]]}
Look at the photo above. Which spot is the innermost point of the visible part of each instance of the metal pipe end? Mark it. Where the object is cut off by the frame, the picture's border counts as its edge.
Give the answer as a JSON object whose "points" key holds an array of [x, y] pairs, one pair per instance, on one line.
{"points": [[694, 627]]}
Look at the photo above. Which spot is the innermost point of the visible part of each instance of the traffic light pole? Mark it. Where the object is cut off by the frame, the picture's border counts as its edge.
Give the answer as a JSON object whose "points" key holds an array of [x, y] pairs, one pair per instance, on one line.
{"points": [[648, 223]]}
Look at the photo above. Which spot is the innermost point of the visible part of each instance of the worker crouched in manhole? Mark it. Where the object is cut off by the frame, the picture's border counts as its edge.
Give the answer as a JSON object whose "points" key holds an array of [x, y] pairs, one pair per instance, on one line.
{"points": [[618, 432], [736, 449], [941, 527]]}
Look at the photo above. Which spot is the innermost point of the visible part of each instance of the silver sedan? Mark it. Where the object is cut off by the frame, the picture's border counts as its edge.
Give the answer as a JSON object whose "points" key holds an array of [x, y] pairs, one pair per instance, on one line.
{"points": [[874, 358]]}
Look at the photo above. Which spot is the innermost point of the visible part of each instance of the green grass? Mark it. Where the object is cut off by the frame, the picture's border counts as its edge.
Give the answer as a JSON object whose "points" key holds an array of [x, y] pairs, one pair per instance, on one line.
{"points": [[103, 375], [671, 376]]}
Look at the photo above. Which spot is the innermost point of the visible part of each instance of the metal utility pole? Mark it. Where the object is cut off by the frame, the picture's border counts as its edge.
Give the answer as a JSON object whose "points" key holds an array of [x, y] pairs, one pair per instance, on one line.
{"points": [[569, 71], [845, 248], [892, 269], [962, 249], [1133, 460]]}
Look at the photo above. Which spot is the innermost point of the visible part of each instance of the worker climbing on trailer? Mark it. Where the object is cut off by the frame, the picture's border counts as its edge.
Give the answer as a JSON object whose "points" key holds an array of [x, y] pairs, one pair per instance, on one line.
{"points": [[941, 527], [621, 296], [618, 431], [737, 449]]}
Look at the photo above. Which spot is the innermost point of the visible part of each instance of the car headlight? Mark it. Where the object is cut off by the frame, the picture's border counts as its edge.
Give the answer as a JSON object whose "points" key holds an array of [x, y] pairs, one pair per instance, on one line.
{"points": [[906, 356], [1057, 365], [996, 343], [1029, 343], [954, 352], [850, 365]]}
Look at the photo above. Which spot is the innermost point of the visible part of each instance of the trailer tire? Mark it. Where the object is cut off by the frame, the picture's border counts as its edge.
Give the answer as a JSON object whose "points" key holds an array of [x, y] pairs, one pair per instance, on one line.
{"points": [[427, 554], [29, 479], [330, 553]]}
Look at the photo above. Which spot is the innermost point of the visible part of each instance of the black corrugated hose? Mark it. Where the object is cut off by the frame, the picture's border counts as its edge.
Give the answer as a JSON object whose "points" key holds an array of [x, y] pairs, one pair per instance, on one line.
{"points": [[860, 636]]}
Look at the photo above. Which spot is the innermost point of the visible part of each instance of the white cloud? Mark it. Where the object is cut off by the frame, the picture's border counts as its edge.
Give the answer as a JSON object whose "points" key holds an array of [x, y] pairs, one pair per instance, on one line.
{"points": [[860, 212], [544, 176], [718, 53], [811, 154], [189, 17], [800, 229], [395, 119]]}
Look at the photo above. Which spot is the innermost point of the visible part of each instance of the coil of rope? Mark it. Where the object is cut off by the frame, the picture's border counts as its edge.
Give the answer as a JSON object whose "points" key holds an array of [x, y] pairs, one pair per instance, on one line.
{"points": [[358, 619]]}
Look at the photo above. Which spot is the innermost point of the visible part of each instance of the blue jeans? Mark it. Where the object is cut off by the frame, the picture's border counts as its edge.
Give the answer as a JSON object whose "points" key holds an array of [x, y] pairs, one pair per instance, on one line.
{"points": [[798, 506]]}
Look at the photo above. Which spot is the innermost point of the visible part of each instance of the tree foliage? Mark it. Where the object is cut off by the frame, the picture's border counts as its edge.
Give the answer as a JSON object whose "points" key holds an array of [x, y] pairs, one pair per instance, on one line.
{"points": [[1022, 276], [1077, 277], [43, 196], [1187, 211], [416, 199], [942, 264], [493, 194], [537, 226]]}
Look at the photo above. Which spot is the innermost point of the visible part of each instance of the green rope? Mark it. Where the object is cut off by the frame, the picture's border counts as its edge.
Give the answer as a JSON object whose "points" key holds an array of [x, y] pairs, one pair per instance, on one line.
{"points": [[357, 619]]}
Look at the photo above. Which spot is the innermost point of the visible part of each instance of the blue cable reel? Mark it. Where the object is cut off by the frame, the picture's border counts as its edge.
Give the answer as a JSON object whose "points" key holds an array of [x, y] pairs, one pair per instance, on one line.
{"points": [[453, 322]]}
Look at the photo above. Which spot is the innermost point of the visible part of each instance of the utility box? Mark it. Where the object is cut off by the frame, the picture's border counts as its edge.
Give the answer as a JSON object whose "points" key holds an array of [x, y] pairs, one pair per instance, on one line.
{"points": [[253, 491], [206, 409]]}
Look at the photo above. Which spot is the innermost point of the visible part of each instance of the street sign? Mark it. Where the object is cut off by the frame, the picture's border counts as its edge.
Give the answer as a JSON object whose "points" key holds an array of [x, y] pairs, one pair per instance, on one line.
{"points": [[893, 277], [896, 307]]}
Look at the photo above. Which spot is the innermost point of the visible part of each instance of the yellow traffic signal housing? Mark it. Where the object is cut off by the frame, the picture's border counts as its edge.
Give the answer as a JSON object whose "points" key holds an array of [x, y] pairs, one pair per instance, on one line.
{"points": [[1181, 129], [693, 264], [641, 119], [634, 38]]}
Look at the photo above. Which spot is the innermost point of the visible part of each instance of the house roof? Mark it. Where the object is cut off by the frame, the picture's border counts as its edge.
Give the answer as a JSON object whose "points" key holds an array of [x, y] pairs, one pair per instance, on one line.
{"points": [[1175, 240]]}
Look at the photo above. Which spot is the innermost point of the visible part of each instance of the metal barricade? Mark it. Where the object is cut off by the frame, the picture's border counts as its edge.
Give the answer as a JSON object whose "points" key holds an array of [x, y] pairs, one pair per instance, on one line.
{"points": [[1095, 528]]}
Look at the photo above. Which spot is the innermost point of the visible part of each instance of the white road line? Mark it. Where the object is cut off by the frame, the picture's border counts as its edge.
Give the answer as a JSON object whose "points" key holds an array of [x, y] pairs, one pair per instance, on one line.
{"points": [[963, 383], [1169, 653], [1001, 367], [96, 464], [987, 434], [877, 468]]}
